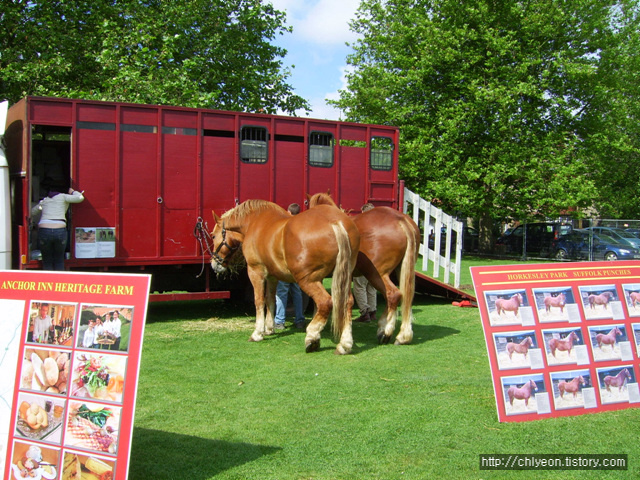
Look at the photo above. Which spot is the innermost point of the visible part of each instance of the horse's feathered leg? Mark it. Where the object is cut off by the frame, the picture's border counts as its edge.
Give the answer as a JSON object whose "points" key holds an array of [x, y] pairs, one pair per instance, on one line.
{"points": [[341, 296], [323, 305], [407, 283], [270, 300], [258, 281]]}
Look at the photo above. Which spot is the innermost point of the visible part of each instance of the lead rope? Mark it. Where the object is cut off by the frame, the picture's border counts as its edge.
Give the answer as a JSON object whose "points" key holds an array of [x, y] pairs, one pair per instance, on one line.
{"points": [[204, 239]]}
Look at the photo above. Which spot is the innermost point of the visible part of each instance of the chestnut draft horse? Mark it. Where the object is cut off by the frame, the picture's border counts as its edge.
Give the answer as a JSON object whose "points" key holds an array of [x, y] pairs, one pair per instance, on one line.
{"points": [[609, 338], [571, 387], [602, 299], [305, 249], [618, 381], [389, 241], [522, 347], [522, 393], [510, 305], [557, 301], [564, 344]]}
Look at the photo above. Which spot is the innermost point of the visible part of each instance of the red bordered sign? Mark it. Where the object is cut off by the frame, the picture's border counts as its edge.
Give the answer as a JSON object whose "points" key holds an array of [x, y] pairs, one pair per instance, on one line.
{"points": [[562, 339], [74, 341]]}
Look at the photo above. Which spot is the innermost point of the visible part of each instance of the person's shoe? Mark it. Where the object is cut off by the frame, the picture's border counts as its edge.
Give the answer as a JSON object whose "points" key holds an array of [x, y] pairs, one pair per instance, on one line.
{"points": [[300, 325], [372, 316], [278, 326], [363, 318]]}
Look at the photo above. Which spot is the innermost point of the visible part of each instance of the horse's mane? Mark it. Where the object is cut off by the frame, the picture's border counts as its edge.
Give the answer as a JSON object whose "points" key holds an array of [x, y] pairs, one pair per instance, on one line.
{"points": [[251, 206], [321, 199]]}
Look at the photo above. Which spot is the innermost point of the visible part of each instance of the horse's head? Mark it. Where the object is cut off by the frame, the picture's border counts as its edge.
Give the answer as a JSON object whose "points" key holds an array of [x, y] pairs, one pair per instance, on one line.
{"points": [[626, 374], [225, 243], [574, 336], [617, 331], [533, 385], [518, 297], [581, 380]]}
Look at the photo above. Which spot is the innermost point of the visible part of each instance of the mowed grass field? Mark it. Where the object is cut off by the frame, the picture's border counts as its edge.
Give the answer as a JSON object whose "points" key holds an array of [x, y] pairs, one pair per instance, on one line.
{"points": [[211, 405]]}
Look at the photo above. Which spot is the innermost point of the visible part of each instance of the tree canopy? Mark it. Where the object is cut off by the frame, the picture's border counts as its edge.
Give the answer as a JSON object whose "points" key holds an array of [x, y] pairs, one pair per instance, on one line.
{"points": [[197, 53], [515, 110]]}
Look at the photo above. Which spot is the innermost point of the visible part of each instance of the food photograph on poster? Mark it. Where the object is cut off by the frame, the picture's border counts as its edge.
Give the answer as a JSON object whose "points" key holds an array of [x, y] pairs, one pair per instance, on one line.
{"points": [[565, 346], [517, 350], [51, 323], [31, 461], [45, 370], [601, 302], [509, 307], [632, 297], [555, 305], [39, 418], [81, 465], [609, 342], [92, 426], [105, 327], [97, 376], [570, 389], [617, 384], [525, 394]]}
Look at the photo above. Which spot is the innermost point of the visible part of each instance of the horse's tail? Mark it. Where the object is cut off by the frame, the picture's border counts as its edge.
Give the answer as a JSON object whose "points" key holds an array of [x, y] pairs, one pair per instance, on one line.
{"points": [[341, 283], [407, 274]]}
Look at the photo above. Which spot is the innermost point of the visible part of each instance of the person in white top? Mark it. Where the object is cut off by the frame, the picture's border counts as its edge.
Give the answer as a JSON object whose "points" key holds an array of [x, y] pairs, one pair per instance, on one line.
{"points": [[52, 227], [42, 324], [89, 335], [117, 326]]}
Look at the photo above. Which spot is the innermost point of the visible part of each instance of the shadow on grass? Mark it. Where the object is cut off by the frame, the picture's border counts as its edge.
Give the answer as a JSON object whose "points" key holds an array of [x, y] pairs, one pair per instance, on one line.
{"points": [[159, 455]]}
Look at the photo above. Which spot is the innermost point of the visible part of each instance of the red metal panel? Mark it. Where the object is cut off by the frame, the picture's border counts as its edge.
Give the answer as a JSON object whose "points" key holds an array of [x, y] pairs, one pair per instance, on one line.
{"points": [[289, 126], [96, 113], [95, 173], [46, 112], [218, 175], [179, 118], [139, 195], [289, 172], [139, 115], [179, 194], [219, 121], [352, 193], [255, 181]]}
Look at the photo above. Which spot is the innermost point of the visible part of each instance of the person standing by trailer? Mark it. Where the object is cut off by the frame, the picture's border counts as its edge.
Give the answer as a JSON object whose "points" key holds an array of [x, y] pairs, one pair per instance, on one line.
{"points": [[363, 292], [52, 227], [282, 293]]}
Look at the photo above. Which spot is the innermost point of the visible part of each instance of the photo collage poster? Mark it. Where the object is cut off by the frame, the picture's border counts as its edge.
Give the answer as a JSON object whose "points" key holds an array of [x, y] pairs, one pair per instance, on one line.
{"points": [[75, 341], [562, 338]]}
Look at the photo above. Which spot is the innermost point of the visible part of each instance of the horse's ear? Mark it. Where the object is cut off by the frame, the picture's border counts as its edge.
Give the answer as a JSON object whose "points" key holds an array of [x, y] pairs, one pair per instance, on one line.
{"points": [[216, 218], [329, 191]]}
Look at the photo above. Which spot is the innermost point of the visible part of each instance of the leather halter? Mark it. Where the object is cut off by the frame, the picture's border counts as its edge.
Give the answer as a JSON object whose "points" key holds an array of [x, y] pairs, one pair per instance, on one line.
{"points": [[223, 243]]}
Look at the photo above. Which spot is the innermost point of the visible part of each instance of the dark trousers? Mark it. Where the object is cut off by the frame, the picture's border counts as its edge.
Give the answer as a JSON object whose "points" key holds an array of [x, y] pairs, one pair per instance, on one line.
{"points": [[53, 243]]}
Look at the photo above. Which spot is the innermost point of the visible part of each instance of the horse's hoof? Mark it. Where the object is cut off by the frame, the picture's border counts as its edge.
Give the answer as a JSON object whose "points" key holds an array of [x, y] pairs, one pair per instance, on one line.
{"points": [[313, 346], [383, 339], [340, 350], [255, 339], [400, 342]]}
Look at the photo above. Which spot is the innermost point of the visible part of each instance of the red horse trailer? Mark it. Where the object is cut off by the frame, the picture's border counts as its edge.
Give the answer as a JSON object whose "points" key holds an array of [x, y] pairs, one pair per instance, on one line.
{"points": [[151, 173]]}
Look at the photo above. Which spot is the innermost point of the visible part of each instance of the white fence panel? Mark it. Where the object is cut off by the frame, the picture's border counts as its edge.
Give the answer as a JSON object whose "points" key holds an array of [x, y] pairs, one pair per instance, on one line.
{"points": [[431, 220]]}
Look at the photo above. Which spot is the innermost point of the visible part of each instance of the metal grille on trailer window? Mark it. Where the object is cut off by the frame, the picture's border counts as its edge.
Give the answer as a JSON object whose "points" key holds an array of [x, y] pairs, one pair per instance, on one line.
{"points": [[321, 149], [381, 153], [254, 144]]}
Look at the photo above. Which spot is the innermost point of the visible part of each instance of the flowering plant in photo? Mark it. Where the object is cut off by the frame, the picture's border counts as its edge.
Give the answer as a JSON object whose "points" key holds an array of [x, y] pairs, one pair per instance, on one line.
{"points": [[92, 373]]}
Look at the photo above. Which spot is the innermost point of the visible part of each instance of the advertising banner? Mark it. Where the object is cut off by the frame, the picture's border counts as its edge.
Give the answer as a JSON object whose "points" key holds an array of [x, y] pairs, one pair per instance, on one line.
{"points": [[562, 338], [72, 344]]}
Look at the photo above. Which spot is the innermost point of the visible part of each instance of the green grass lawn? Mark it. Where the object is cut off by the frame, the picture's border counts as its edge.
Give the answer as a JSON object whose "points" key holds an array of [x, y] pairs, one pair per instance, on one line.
{"points": [[211, 405]]}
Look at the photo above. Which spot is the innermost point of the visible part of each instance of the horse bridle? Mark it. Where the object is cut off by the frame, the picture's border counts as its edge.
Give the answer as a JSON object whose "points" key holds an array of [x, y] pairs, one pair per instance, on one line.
{"points": [[223, 243]]}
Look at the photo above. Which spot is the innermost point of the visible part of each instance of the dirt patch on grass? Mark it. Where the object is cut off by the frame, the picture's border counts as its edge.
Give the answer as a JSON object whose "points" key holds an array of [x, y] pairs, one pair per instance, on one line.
{"points": [[217, 325]]}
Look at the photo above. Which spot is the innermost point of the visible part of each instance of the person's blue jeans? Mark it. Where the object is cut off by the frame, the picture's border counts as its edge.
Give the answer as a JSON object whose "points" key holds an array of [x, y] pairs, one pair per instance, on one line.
{"points": [[282, 295], [53, 243]]}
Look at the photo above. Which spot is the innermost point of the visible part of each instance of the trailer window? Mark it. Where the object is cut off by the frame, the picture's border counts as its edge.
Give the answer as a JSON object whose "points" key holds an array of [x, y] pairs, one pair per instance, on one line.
{"points": [[321, 149], [381, 153], [179, 131], [254, 144], [131, 127]]}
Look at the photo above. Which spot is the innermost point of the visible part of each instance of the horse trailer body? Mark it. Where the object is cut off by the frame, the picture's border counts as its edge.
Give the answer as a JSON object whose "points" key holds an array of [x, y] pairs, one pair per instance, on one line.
{"points": [[151, 173]]}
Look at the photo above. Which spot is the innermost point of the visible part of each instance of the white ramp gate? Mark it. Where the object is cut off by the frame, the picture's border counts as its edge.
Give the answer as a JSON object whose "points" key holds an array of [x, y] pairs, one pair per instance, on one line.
{"points": [[434, 221]]}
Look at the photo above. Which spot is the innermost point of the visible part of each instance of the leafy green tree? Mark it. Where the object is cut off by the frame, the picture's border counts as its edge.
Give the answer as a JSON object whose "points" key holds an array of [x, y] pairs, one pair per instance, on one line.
{"points": [[495, 99], [198, 53]]}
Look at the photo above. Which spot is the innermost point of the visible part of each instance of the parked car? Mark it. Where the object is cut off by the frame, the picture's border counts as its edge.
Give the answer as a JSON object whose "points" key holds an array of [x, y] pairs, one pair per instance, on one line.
{"points": [[618, 234], [539, 238], [633, 231], [575, 246], [470, 239]]}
